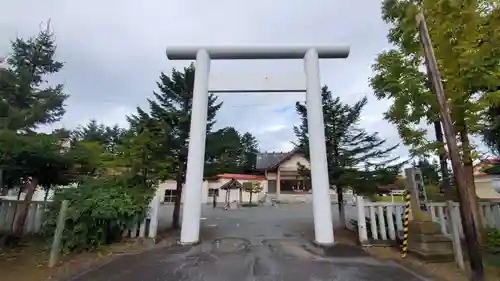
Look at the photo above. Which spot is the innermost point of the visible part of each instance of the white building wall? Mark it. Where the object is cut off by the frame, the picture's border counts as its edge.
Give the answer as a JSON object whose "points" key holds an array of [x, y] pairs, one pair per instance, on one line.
{"points": [[234, 195], [488, 187], [38, 195], [291, 164]]}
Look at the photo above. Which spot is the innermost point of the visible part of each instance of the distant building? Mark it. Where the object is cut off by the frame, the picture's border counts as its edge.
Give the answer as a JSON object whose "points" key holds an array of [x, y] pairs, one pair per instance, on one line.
{"points": [[282, 172], [220, 186], [487, 179]]}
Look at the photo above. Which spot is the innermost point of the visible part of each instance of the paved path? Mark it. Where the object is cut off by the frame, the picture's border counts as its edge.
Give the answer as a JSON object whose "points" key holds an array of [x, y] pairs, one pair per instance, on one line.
{"points": [[260, 243]]}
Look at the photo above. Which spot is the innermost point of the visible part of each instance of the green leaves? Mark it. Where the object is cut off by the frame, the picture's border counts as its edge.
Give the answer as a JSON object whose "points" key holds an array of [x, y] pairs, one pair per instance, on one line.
{"points": [[168, 120], [99, 210], [467, 57], [31, 154], [229, 152], [26, 102], [252, 187]]}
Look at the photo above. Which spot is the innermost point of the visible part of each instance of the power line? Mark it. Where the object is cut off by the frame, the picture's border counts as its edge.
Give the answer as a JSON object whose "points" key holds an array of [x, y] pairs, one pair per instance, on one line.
{"points": [[261, 93]]}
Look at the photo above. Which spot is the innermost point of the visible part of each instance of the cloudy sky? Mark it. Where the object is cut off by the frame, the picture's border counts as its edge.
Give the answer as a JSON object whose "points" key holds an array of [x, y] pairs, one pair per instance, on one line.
{"points": [[114, 51]]}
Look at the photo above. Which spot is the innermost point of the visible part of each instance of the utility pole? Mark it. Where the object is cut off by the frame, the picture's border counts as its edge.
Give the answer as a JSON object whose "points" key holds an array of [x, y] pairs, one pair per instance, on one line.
{"points": [[445, 186], [468, 223]]}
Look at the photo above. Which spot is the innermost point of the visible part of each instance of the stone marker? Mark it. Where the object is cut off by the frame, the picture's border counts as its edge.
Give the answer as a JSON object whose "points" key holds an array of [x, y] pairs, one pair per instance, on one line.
{"points": [[425, 238]]}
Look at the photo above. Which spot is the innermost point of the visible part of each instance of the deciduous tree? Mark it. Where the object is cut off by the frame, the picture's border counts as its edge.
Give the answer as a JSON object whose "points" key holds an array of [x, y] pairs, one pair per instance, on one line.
{"points": [[465, 35], [430, 171], [252, 188]]}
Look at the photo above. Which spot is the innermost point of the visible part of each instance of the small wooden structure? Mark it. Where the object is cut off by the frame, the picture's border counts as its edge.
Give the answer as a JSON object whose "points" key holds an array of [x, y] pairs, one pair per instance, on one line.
{"points": [[233, 189]]}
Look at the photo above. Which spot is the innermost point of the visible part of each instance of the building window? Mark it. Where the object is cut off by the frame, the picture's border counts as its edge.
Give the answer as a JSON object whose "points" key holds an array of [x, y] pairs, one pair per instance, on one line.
{"points": [[213, 192], [169, 196]]}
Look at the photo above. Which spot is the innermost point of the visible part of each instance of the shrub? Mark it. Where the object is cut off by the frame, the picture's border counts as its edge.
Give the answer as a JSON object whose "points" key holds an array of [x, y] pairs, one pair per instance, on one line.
{"points": [[99, 210], [434, 194], [492, 244]]}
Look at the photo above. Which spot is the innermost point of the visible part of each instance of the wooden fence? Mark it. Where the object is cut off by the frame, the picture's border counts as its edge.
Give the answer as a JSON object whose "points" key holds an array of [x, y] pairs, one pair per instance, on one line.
{"points": [[381, 221], [10, 209]]}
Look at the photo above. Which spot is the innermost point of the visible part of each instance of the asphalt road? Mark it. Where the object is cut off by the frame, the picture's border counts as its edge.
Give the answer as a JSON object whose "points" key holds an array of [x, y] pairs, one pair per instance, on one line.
{"points": [[259, 243]]}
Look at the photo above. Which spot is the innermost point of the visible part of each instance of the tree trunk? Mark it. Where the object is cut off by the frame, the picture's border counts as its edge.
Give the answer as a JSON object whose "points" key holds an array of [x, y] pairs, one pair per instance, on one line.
{"points": [[471, 187], [13, 222], [45, 197], [21, 220], [177, 202], [3, 190], [443, 164], [340, 200]]}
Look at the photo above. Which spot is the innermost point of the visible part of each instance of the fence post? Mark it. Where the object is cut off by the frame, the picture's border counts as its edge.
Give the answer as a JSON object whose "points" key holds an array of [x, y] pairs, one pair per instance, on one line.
{"points": [[56, 243], [390, 222], [360, 205], [455, 234], [153, 224]]}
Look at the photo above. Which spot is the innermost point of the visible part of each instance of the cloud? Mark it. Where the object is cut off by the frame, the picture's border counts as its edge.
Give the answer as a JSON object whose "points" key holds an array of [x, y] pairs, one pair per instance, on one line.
{"points": [[114, 52]]}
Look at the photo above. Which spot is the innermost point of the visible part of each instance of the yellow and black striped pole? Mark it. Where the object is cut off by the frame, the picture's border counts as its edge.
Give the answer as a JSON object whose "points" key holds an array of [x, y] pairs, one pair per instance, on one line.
{"points": [[406, 219]]}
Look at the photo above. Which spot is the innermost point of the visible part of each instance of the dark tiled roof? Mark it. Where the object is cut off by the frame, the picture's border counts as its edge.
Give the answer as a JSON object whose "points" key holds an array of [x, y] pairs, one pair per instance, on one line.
{"points": [[268, 160], [240, 177], [232, 184]]}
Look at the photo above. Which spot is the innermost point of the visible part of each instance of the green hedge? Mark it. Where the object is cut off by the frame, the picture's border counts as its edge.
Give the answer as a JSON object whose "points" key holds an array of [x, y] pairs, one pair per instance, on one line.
{"points": [[99, 210]]}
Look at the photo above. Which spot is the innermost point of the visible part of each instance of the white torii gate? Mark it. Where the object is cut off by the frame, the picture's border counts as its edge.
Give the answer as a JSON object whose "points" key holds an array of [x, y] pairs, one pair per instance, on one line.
{"points": [[323, 228]]}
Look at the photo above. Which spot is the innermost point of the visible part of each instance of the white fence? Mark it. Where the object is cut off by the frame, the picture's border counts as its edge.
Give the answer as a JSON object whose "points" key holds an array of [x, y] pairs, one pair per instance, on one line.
{"points": [[381, 221], [148, 227], [10, 210]]}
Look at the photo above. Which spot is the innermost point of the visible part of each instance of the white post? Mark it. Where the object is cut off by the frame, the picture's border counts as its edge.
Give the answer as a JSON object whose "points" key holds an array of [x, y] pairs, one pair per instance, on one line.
{"points": [[363, 234], [153, 218], [322, 209], [55, 250], [191, 208], [454, 222], [389, 211]]}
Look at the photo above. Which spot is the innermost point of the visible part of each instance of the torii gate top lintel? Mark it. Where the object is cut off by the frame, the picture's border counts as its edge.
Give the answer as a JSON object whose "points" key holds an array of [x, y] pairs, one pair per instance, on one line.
{"points": [[257, 52]]}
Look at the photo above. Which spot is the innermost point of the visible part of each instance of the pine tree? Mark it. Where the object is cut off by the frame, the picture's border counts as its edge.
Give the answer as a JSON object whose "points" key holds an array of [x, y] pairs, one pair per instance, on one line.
{"points": [[224, 152], [355, 158], [109, 137], [230, 152], [250, 147], [26, 103], [170, 112]]}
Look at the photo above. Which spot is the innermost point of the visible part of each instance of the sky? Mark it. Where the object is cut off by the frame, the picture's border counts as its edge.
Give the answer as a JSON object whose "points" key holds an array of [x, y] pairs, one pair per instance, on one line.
{"points": [[114, 52]]}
